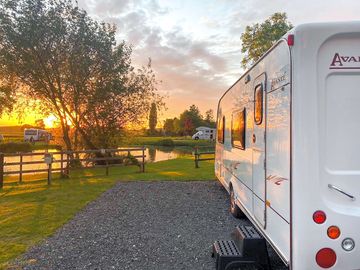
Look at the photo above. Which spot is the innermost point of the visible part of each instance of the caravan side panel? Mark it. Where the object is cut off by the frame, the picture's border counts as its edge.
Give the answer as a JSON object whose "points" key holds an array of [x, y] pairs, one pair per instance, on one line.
{"points": [[236, 166]]}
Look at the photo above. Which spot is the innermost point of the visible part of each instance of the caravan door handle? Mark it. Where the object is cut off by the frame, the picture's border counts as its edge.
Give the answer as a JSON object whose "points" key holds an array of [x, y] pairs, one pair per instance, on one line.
{"points": [[341, 191]]}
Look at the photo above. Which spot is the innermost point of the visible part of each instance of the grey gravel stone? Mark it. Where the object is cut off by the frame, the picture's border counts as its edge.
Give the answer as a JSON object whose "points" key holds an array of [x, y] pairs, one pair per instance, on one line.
{"points": [[142, 225]]}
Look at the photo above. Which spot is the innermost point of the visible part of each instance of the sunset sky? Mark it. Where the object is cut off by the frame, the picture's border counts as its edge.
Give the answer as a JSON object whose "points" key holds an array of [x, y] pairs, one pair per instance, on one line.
{"points": [[195, 45]]}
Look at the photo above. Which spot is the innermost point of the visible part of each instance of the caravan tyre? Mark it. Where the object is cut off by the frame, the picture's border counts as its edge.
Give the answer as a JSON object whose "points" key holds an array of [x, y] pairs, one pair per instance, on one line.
{"points": [[234, 209]]}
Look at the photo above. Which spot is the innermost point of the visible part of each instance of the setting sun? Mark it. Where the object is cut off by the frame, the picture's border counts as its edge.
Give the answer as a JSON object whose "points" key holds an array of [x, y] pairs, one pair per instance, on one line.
{"points": [[50, 121]]}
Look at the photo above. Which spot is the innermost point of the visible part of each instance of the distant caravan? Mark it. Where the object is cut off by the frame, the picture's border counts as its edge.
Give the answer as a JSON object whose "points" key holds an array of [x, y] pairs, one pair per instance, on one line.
{"points": [[36, 135], [287, 146]]}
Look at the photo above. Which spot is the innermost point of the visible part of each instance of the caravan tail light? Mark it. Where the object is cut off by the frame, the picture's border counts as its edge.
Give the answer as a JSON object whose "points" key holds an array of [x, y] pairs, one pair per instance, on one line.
{"points": [[333, 232], [326, 257], [291, 40], [319, 217]]}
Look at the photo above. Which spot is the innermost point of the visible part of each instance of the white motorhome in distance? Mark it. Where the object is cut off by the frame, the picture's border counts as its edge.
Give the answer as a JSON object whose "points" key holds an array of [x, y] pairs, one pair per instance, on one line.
{"points": [[34, 135], [204, 133], [288, 146]]}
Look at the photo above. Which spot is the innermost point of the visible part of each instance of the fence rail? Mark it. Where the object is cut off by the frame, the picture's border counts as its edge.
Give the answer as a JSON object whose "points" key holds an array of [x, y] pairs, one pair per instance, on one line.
{"points": [[100, 158], [198, 154]]}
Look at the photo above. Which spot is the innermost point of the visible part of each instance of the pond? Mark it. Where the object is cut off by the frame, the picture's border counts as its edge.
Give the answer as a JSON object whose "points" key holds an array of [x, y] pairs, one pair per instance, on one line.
{"points": [[153, 154]]}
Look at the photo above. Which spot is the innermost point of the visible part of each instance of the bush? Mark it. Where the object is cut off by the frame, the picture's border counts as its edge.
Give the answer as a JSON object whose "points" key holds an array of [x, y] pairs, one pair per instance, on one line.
{"points": [[166, 142], [131, 160], [13, 147]]}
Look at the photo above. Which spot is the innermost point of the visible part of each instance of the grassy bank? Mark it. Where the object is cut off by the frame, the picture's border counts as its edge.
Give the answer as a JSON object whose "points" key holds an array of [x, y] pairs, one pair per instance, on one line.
{"points": [[164, 141], [14, 147], [32, 211]]}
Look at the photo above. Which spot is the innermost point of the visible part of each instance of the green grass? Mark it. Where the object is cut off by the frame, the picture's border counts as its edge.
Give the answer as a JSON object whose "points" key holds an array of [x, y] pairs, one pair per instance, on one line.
{"points": [[32, 210], [178, 141]]}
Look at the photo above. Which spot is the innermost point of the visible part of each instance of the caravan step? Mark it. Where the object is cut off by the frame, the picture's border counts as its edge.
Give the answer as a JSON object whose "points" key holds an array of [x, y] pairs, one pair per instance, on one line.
{"points": [[227, 256], [251, 244]]}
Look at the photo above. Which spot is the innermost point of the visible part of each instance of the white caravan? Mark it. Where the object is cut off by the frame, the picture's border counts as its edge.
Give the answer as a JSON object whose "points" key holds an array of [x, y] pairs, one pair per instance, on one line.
{"points": [[288, 146], [34, 135], [204, 133]]}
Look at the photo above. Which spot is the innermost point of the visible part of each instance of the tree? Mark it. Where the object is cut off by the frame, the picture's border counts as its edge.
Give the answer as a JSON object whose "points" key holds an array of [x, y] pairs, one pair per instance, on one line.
{"points": [[177, 126], [169, 126], [152, 119], [6, 99], [57, 54], [190, 119], [39, 123], [209, 119], [189, 127], [258, 38]]}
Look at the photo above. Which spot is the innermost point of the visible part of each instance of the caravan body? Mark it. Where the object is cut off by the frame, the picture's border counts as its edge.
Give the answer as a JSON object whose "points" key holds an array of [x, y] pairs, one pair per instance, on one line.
{"points": [[288, 146], [35, 135], [204, 133]]}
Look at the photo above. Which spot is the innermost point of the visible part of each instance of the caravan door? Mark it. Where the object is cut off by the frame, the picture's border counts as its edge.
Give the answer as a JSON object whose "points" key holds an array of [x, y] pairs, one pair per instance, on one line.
{"points": [[258, 146]]}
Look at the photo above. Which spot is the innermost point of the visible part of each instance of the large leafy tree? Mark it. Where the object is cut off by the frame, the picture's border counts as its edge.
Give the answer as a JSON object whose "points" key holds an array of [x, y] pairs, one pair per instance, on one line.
{"points": [[190, 119], [57, 54], [259, 37]]}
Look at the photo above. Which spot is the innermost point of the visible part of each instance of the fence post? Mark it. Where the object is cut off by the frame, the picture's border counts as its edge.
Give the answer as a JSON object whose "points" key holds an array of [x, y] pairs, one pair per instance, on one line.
{"points": [[49, 174], [196, 158], [107, 168], [143, 159], [21, 167], [48, 158], [67, 164], [61, 165], [1, 170]]}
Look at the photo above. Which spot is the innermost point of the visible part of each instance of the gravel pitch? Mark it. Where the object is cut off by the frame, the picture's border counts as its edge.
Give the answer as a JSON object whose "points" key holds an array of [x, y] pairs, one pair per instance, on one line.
{"points": [[142, 225]]}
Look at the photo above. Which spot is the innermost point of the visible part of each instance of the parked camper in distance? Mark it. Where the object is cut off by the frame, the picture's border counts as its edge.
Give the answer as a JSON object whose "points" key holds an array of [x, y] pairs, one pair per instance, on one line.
{"points": [[287, 148], [35, 135], [204, 133]]}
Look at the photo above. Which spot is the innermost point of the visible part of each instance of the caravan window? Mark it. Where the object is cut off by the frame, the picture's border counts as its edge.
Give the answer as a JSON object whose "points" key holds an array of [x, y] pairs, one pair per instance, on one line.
{"points": [[238, 129], [31, 132], [221, 129], [258, 104]]}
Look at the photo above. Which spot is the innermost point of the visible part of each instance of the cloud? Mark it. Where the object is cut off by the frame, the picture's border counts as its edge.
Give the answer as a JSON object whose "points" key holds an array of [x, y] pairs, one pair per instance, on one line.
{"points": [[195, 45], [192, 70]]}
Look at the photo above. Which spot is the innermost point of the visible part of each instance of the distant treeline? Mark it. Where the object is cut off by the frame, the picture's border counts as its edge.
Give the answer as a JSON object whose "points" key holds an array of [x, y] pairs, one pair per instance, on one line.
{"points": [[188, 121]]}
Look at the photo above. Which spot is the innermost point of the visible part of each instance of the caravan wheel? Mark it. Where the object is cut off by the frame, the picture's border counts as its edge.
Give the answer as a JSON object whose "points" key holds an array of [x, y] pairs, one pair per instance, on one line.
{"points": [[234, 209]]}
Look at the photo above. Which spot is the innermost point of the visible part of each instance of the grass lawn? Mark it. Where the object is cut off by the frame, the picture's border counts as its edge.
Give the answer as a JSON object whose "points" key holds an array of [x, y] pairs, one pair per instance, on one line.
{"points": [[32, 211]]}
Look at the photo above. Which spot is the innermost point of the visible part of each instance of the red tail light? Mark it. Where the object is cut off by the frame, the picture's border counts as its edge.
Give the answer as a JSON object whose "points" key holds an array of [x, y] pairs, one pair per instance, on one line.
{"points": [[319, 217], [326, 257], [291, 40]]}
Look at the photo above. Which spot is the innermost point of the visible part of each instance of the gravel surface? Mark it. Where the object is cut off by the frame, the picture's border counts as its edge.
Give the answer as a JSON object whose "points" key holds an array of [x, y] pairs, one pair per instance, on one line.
{"points": [[142, 225]]}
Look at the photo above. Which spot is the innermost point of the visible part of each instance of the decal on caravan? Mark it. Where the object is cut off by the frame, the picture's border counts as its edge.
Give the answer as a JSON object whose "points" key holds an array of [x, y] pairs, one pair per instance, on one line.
{"points": [[287, 147]]}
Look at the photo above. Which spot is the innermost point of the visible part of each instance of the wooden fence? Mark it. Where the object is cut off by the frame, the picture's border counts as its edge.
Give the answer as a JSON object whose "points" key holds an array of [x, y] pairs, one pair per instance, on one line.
{"points": [[198, 154], [88, 159]]}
